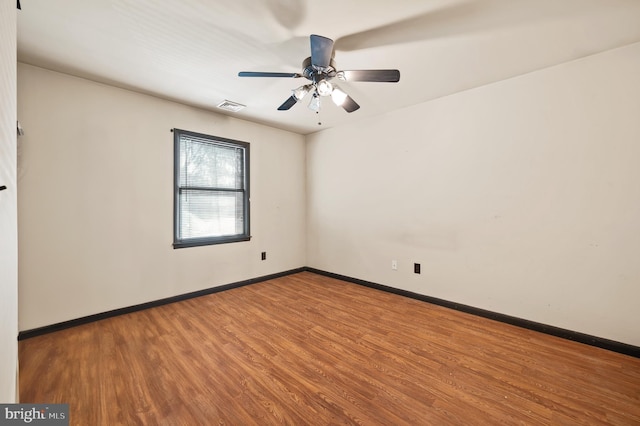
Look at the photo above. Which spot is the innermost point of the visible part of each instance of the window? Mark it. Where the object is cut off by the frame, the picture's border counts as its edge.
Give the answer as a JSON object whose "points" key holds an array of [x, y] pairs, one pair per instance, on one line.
{"points": [[211, 190]]}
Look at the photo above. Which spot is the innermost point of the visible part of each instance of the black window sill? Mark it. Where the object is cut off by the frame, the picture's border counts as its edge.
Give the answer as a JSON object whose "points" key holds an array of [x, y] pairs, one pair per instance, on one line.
{"points": [[209, 241]]}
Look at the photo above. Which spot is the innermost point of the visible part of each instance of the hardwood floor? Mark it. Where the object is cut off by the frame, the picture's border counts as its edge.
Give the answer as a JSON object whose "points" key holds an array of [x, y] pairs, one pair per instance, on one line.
{"points": [[308, 349]]}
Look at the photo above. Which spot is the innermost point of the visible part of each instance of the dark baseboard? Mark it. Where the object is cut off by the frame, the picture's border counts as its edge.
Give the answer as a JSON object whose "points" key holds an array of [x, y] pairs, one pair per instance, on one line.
{"points": [[599, 342], [103, 315]]}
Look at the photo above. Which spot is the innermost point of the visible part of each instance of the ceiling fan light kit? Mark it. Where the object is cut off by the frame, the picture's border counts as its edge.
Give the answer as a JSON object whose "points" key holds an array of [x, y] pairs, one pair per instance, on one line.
{"points": [[314, 104], [302, 91], [324, 88], [338, 96], [320, 68]]}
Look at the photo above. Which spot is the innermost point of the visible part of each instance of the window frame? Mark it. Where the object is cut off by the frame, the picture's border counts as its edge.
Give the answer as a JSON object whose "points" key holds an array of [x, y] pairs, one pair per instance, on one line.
{"points": [[204, 241]]}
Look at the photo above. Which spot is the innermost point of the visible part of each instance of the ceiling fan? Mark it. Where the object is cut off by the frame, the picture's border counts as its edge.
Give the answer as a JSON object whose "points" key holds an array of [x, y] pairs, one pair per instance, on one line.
{"points": [[320, 69]]}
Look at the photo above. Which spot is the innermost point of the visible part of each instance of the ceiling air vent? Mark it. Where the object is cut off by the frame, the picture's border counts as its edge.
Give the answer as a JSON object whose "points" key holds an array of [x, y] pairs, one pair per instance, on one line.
{"points": [[231, 106]]}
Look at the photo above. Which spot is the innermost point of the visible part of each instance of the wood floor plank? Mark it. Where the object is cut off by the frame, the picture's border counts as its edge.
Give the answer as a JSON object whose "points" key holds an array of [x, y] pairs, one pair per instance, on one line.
{"points": [[308, 349]]}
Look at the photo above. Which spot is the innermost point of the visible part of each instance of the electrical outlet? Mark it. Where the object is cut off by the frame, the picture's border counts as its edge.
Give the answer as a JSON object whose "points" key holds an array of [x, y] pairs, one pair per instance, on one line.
{"points": [[394, 265], [416, 268], [263, 256]]}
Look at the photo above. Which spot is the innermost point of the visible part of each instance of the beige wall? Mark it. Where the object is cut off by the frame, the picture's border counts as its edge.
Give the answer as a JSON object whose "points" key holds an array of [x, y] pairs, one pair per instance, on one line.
{"points": [[8, 206], [521, 197], [96, 200]]}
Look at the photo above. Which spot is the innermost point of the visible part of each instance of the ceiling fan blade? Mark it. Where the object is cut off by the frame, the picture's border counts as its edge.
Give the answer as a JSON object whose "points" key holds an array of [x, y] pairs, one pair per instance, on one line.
{"points": [[268, 74], [288, 103], [321, 51], [454, 19], [350, 105], [384, 76], [340, 98]]}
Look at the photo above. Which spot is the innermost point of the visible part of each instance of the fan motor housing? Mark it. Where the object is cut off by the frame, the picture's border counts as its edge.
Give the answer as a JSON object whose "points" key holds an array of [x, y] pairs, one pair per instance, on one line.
{"points": [[315, 73]]}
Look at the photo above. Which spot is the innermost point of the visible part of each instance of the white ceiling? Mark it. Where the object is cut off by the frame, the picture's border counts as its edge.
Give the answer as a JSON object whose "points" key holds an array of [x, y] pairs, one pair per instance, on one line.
{"points": [[191, 51]]}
